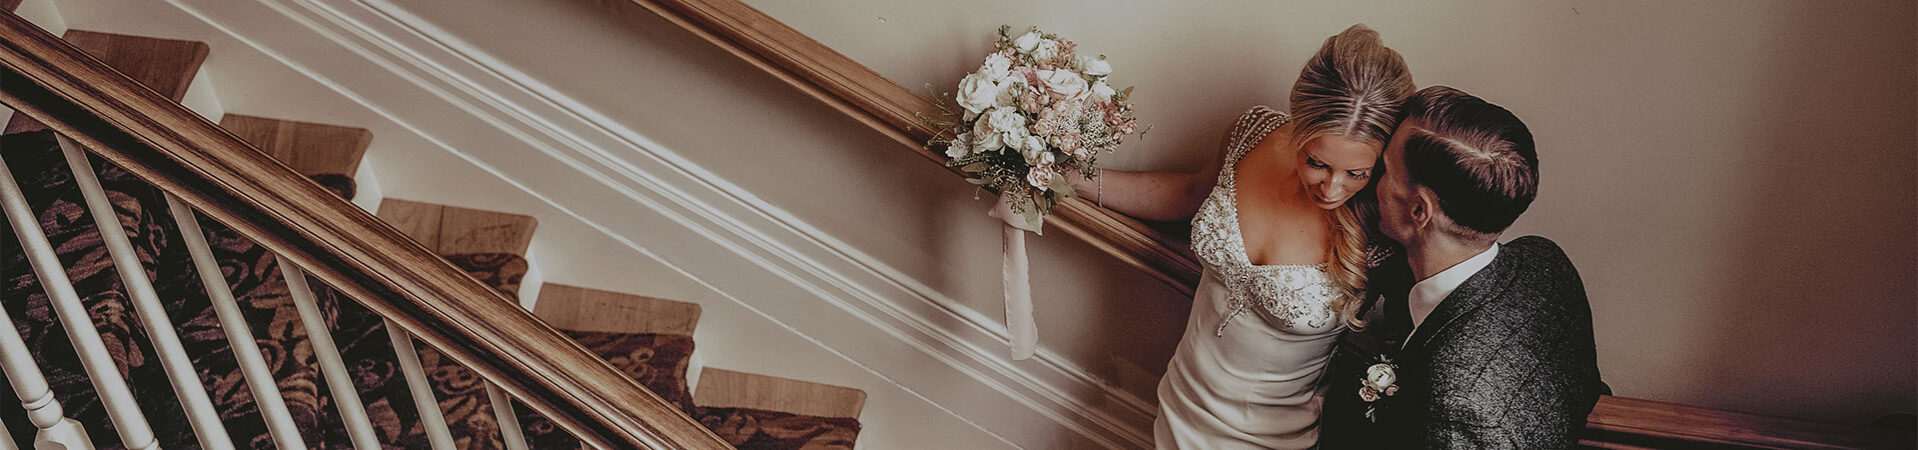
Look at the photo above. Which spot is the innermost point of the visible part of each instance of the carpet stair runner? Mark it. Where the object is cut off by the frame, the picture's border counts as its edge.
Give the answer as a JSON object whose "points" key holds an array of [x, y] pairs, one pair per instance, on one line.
{"points": [[650, 339]]}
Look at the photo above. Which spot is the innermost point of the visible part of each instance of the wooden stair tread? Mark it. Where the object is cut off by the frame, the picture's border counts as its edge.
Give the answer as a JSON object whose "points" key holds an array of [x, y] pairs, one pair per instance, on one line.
{"points": [[308, 148], [1657, 420], [452, 230], [730, 389], [167, 66], [582, 309]]}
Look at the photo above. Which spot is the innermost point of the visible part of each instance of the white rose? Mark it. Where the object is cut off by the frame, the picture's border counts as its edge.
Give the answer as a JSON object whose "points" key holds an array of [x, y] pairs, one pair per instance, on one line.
{"points": [[984, 138], [1047, 49], [997, 67], [1064, 82], [1026, 42], [1379, 376], [976, 93], [1097, 67], [1101, 92], [1008, 122], [1034, 150], [960, 147], [1046, 158]]}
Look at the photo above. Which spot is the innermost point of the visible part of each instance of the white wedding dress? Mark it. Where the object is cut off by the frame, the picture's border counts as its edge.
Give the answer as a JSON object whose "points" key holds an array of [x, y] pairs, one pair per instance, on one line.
{"points": [[1246, 373]]}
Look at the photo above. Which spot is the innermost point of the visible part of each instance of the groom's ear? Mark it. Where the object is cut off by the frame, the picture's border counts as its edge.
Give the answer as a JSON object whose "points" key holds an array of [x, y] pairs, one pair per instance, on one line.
{"points": [[1424, 206]]}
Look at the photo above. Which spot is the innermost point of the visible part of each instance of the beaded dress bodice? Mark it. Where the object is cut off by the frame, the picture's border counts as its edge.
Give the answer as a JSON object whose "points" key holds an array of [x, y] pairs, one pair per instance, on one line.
{"points": [[1297, 297]]}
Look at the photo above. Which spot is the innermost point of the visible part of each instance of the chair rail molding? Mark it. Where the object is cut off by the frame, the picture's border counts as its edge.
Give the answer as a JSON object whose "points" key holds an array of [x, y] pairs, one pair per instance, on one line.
{"points": [[426, 79]]}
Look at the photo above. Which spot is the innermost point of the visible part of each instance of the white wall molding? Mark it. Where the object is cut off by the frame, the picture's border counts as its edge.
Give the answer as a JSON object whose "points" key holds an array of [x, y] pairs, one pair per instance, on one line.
{"points": [[873, 315]]}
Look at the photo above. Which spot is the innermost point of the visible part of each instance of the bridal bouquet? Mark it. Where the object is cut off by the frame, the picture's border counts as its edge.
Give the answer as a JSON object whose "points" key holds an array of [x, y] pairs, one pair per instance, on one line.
{"points": [[1034, 113]]}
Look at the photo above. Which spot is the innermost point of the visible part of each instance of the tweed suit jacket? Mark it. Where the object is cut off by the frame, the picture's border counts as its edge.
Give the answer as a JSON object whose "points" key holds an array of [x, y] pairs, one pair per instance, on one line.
{"points": [[1506, 361]]}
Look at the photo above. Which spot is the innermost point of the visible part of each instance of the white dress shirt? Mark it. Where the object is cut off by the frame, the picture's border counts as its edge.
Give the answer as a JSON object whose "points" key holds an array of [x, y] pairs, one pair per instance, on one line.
{"points": [[1427, 294]]}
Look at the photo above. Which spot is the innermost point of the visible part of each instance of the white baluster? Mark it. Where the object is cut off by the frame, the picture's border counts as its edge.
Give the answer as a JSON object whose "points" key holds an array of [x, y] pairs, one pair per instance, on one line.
{"points": [[259, 377], [56, 430], [200, 412], [437, 434], [358, 426], [107, 383], [6, 440], [509, 428]]}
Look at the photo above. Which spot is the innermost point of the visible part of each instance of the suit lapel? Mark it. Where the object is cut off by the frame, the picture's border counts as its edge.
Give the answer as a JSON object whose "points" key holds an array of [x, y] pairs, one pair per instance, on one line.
{"points": [[1478, 290]]}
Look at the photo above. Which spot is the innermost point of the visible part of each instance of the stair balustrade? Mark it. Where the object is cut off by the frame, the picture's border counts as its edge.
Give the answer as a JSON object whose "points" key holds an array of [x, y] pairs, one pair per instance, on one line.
{"points": [[206, 173]]}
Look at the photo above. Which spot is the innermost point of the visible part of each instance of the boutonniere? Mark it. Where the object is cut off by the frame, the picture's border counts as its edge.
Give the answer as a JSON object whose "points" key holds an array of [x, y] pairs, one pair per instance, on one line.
{"points": [[1381, 380]]}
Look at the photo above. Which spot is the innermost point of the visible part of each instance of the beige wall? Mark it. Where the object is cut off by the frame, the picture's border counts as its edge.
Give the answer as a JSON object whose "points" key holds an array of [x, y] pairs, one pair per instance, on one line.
{"points": [[1734, 179]]}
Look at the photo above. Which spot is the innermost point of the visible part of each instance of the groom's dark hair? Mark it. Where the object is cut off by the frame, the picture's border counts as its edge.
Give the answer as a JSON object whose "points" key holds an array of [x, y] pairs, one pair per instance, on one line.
{"points": [[1476, 156]]}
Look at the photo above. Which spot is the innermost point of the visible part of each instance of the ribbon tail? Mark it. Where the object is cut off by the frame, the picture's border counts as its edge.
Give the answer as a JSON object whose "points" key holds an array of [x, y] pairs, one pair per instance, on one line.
{"points": [[1018, 286]]}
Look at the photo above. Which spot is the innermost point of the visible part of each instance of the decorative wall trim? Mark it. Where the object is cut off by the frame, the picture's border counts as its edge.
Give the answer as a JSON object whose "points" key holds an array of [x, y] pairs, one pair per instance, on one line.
{"points": [[853, 304]]}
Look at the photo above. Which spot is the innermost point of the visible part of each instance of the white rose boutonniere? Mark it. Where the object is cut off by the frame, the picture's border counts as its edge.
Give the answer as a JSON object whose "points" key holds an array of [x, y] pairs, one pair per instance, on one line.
{"points": [[1381, 380]]}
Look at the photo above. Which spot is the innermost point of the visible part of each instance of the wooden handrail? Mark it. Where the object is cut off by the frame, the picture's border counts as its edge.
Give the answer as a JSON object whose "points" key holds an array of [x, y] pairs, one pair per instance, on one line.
{"points": [[177, 151], [1630, 422], [894, 111]]}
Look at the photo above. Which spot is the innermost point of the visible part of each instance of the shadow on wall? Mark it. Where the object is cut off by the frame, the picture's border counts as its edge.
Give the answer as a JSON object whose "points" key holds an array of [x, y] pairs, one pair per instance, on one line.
{"points": [[1827, 186]]}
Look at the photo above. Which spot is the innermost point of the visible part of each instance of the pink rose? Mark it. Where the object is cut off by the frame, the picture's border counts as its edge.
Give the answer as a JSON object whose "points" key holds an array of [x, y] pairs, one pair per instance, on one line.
{"points": [[1040, 177], [1044, 128], [1069, 143], [1366, 393]]}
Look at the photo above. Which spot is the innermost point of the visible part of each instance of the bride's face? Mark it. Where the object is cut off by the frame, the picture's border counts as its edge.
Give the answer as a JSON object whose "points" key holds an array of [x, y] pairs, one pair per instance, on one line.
{"points": [[1333, 168]]}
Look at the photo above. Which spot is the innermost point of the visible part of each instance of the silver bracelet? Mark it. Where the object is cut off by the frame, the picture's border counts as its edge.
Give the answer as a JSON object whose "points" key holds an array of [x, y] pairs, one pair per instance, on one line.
{"points": [[1100, 179]]}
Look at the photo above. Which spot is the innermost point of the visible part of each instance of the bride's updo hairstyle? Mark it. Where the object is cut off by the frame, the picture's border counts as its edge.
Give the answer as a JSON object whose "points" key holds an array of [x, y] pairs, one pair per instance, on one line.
{"points": [[1351, 88]]}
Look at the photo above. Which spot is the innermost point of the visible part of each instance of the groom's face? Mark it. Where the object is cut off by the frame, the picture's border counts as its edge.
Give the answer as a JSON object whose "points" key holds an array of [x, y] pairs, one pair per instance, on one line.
{"points": [[1398, 198]]}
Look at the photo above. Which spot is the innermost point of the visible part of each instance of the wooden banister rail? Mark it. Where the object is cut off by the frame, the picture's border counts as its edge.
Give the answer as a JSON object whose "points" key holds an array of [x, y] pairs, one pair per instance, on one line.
{"points": [[1619, 422], [163, 143], [893, 110]]}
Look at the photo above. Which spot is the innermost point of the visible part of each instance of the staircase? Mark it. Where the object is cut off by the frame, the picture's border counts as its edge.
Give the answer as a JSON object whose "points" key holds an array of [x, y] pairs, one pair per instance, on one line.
{"points": [[650, 340]]}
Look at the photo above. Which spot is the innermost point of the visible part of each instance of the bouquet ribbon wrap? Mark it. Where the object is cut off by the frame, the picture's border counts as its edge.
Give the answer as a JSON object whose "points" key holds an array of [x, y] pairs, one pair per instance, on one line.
{"points": [[1024, 335]]}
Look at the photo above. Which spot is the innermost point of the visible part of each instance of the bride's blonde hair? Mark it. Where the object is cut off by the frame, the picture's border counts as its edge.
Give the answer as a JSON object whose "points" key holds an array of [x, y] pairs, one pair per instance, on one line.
{"points": [[1351, 88]]}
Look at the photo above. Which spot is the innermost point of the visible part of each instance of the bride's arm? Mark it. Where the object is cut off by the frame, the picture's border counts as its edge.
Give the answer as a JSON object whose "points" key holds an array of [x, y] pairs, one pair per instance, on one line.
{"points": [[1159, 196]]}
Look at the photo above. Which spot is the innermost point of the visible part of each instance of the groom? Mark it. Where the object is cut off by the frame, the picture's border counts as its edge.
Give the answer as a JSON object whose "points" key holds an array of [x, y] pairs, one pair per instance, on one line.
{"points": [[1476, 344]]}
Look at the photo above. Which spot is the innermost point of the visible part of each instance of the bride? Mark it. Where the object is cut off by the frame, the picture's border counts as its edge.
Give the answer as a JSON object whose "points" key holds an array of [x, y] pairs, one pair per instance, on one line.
{"points": [[1280, 229]]}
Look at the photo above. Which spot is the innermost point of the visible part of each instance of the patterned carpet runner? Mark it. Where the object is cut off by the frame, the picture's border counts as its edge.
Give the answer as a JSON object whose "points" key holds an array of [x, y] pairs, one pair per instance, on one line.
{"points": [[657, 361]]}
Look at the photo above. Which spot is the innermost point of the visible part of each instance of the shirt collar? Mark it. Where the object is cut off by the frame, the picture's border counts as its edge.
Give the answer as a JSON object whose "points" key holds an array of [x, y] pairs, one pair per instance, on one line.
{"points": [[1427, 294]]}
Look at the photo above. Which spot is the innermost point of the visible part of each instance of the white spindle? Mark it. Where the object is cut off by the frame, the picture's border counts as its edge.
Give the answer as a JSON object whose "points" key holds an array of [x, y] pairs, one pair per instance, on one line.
{"points": [[437, 434], [253, 367], [56, 430], [200, 412], [107, 383], [509, 429], [358, 426], [7, 443]]}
